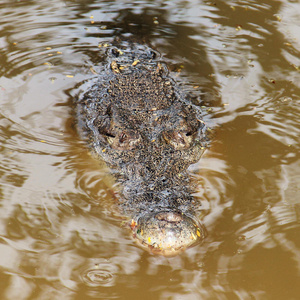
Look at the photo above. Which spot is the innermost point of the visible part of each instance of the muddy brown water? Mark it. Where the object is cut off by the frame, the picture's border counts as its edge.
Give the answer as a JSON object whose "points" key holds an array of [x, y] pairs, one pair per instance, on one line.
{"points": [[60, 236]]}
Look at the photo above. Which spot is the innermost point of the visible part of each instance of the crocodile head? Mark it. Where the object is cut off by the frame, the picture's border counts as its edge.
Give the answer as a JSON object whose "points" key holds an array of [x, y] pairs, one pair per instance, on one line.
{"points": [[137, 119]]}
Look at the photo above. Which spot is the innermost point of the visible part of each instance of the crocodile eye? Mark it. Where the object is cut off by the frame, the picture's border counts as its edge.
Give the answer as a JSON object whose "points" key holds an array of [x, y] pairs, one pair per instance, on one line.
{"points": [[125, 140], [178, 139], [110, 135]]}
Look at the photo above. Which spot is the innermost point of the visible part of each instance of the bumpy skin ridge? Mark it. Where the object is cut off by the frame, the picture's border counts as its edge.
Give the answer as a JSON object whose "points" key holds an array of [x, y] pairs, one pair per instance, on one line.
{"points": [[135, 117]]}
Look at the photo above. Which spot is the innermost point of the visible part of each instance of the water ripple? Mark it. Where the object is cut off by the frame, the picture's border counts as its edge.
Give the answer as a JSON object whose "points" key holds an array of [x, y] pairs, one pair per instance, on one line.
{"points": [[98, 276]]}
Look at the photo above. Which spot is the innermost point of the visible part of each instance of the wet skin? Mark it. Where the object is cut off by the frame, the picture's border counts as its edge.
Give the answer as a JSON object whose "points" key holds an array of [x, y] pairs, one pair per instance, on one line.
{"points": [[135, 117]]}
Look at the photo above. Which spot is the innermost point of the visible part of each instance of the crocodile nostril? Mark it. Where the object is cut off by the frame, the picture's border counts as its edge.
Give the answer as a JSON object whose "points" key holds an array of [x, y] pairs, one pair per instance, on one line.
{"points": [[171, 217]]}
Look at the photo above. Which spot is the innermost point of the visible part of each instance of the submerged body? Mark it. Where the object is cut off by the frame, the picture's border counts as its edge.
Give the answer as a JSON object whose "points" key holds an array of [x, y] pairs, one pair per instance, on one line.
{"points": [[135, 117]]}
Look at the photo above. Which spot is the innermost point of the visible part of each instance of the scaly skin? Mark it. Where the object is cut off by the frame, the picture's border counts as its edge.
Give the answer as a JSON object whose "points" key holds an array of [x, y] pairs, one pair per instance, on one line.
{"points": [[135, 117]]}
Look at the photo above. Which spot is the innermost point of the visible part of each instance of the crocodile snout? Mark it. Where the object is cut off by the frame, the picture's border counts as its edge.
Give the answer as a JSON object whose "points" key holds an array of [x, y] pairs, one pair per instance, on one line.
{"points": [[167, 232]]}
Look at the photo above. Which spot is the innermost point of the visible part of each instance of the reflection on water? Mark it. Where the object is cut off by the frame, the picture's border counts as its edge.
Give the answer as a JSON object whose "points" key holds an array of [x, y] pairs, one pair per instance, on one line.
{"points": [[61, 235]]}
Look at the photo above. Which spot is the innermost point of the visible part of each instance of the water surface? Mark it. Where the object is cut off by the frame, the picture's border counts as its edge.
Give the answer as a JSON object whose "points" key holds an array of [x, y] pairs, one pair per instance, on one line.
{"points": [[61, 237]]}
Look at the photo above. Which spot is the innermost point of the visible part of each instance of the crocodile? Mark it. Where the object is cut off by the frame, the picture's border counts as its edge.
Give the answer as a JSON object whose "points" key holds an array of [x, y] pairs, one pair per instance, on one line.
{"points": [[135, 117]]}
